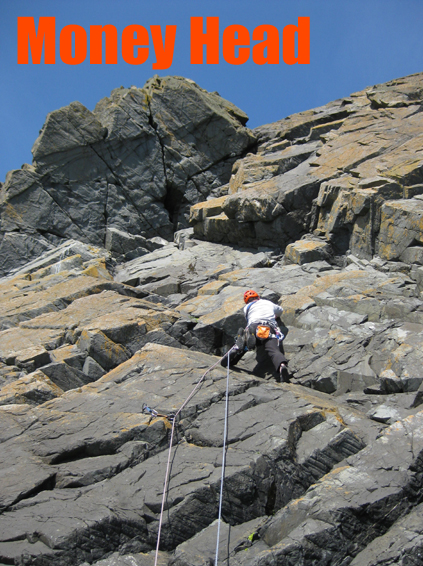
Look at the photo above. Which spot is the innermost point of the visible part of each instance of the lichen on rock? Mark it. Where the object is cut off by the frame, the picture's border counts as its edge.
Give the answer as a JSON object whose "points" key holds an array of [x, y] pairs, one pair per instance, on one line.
{"points": [[112, 310]]}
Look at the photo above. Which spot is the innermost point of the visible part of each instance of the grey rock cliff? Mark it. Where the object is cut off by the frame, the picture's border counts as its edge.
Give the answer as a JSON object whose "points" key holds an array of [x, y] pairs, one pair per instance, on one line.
{"points": [[349, 171], [100, 315], [135, 164]]}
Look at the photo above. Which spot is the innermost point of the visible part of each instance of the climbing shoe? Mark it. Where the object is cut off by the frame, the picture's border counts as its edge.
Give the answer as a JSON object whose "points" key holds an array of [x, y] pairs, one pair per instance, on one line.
{"points": [[251, 339], [234, 358], [240, 339], [283, 373]]}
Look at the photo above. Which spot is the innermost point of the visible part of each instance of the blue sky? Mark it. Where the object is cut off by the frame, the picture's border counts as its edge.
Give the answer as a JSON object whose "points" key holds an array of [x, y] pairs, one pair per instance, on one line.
{"points": [[353, 44]]}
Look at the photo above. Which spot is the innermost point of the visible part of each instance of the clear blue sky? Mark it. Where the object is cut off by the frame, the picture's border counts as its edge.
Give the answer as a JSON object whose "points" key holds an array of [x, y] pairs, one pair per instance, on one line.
{"points": [[354, 44]]}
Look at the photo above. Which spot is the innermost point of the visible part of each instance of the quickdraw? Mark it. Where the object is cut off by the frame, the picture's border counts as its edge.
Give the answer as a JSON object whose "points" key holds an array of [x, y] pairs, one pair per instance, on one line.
{"points": [[154, 413]]}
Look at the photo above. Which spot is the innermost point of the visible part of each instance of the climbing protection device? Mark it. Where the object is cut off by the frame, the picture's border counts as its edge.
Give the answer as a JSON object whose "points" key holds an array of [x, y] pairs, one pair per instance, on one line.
{"points": [[178, 412], [154, 413]]}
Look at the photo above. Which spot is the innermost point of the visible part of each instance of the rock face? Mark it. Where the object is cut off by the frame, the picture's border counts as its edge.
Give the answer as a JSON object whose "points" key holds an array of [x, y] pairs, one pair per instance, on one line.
{"points": [[333, 170], [101, 344], [83, 466], [133, 165]]}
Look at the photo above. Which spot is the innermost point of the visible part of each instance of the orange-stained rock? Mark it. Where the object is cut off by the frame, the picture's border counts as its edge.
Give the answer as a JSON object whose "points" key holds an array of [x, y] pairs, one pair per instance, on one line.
{"points": [[306, 251], [330, 169], [33, 389]]}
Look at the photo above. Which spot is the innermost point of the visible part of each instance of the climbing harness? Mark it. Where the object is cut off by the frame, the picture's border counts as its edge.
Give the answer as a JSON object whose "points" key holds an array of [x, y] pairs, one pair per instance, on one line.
{"points": [[264, 329], [261, 330], [178, 412]]}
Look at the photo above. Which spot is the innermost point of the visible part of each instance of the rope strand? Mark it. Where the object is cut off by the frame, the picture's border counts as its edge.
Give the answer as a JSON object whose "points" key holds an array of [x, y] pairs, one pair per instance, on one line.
{"points": [[225, 434], [190, 396]]}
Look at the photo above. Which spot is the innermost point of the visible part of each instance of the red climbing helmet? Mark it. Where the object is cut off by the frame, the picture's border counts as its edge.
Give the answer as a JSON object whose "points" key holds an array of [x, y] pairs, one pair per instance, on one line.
{"points": [[250, 294]]}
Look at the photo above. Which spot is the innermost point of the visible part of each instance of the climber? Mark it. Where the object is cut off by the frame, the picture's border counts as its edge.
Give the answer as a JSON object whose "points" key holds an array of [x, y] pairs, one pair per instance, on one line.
{"points": [[261, 334], [263, 331]]}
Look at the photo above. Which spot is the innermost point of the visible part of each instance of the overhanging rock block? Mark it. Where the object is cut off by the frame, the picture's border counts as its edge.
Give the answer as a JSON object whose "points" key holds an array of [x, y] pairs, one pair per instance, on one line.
{"points": [[306, 251], [133, 166], [401, 227], [104, 351]]}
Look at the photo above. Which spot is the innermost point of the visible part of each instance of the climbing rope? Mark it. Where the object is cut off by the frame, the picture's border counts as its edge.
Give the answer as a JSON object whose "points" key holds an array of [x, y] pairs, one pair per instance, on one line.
{"points": [[175, 415], [225, 434]]}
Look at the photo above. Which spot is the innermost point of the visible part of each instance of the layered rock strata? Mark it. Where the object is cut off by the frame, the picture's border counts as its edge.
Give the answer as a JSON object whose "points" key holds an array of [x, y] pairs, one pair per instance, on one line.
{"points": [[118, 321], [83, 465], [134, 165], [334, 170]]}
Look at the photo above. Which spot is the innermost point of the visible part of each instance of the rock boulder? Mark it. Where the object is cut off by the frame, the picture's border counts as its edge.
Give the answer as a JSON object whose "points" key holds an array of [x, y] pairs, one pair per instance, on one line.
{"points": [[134, 165]]}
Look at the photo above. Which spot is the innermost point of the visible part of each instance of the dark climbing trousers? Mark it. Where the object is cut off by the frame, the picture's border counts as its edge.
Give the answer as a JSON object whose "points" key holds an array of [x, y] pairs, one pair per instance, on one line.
{"points": [[264, 348], [270, 347]]}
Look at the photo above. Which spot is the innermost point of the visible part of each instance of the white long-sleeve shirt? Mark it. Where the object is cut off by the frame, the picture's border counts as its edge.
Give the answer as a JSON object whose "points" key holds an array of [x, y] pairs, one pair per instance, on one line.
{"points": [[262, 309]]}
